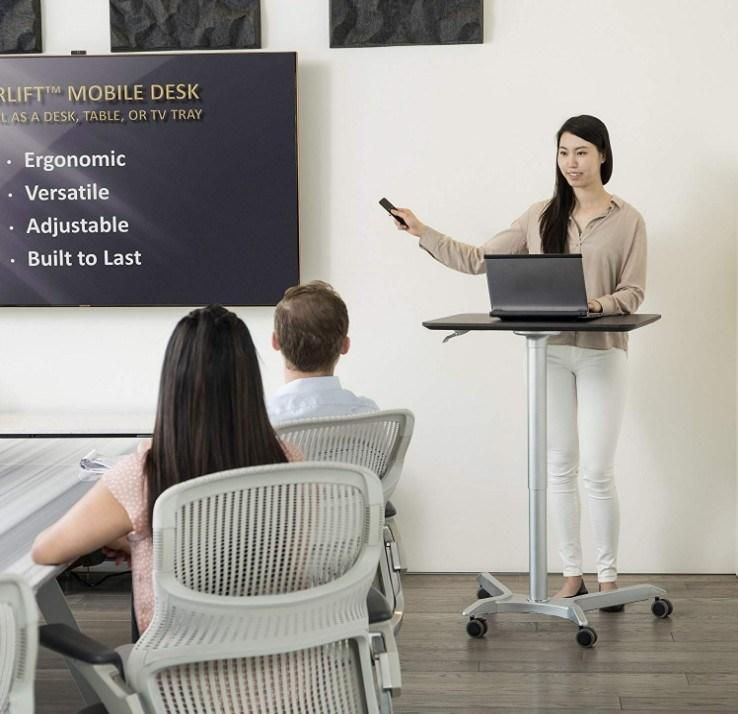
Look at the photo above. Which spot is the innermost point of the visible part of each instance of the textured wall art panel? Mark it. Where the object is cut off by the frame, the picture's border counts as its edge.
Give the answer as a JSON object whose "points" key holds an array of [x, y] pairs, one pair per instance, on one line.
{"points": [[20, 26], [378, 23], [184, 24]]}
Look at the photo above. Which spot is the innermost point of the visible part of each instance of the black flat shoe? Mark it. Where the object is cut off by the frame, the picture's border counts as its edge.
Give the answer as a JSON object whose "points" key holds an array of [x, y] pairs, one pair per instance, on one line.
{"points": [[611, 608], [582, 591]]}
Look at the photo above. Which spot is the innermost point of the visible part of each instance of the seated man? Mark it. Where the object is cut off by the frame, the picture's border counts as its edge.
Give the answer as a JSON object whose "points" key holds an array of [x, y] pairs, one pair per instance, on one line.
{"points": [[311, 330]]}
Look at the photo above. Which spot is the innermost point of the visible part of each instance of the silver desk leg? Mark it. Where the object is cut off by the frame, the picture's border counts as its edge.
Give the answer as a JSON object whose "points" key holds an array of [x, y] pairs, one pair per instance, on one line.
{"points": [[537, 465], [54, 608], [501, 599]]}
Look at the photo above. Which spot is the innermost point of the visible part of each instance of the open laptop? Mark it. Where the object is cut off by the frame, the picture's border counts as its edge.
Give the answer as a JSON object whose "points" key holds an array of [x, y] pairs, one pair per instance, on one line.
{"points": [[546, 286]]}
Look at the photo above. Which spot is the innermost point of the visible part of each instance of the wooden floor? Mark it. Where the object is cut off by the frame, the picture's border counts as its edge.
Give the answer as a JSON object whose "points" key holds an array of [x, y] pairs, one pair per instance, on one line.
{"points": [[687, 663]]}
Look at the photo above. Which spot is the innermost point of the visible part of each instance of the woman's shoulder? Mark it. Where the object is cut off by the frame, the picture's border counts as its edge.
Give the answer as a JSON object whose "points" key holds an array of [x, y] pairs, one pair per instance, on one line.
{"points": [[532, 215], [535, 209], [129, 467], [126, 481], [627, 210]]}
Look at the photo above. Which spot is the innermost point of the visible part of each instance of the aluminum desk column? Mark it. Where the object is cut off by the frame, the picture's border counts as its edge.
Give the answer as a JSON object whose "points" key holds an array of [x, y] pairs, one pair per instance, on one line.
{"points": [[537, 464]]}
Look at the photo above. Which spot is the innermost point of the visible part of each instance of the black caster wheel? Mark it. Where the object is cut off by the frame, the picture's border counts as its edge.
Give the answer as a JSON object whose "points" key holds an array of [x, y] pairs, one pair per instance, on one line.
{"points": [[482, 594], [661, 607], [476, 627], [586, 636]]}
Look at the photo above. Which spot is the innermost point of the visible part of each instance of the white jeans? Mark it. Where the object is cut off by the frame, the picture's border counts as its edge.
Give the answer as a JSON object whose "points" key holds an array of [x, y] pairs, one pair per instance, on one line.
{"points": [[586, 399]]}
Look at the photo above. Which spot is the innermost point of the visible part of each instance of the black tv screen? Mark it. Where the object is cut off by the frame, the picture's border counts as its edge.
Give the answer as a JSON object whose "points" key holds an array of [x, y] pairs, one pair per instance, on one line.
{"points": [[148, 180]]}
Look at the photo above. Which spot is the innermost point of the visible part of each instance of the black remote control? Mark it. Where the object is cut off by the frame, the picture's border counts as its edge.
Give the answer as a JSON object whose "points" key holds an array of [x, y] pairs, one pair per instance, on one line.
{"points": [[384, 203]]}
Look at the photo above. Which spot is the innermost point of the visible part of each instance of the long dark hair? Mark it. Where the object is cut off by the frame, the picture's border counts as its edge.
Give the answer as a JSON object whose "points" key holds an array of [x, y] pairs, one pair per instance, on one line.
{"points": [[555, 217], [210, 414]]}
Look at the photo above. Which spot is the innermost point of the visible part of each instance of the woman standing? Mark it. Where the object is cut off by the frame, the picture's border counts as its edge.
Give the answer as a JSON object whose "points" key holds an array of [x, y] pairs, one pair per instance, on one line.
{"points": [[587, 370]]}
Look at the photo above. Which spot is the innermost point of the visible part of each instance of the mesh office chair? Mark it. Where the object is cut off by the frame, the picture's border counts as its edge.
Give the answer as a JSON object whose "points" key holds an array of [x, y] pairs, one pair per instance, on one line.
{"points": [[378, 441], [18, 645], [261, 578]]}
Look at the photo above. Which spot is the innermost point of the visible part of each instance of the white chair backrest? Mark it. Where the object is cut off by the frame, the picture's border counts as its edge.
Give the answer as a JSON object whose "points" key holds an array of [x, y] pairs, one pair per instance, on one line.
{"points": [[377, 441], [18, 645], [261, 577]]}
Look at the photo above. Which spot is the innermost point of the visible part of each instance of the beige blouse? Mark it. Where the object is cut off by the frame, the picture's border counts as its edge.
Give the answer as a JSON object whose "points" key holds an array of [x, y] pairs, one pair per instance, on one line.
{"points": [[613, 248]]}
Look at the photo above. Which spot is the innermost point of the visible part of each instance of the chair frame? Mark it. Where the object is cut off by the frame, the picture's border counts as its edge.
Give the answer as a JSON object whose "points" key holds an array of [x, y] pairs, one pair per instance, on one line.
{"points": [[310, 436], [134, 690], [317, 437], [21, 661]]}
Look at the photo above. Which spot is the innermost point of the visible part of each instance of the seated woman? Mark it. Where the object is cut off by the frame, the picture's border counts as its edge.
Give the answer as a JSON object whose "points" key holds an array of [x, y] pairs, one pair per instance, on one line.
{"points": [[210, 417]]}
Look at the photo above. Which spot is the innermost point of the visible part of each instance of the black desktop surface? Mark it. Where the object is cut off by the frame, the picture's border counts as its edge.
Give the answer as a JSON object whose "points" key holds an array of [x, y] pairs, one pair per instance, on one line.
{"points": [[482, 321]]}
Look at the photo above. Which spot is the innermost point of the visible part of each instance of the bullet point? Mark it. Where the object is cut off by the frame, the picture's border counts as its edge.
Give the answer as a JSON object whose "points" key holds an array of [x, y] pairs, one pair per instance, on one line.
{"points": [[10, 195], [12, 260], [8, 161], [11, 228]]}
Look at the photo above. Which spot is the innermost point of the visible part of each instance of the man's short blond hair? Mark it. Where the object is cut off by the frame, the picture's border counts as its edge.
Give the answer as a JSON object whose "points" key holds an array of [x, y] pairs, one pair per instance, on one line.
{"points": [[311, 323]]}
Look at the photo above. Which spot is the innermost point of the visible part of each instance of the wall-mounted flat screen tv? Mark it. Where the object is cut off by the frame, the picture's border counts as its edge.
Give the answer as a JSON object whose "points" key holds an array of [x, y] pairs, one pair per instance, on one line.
{"points": [[148, 180]]}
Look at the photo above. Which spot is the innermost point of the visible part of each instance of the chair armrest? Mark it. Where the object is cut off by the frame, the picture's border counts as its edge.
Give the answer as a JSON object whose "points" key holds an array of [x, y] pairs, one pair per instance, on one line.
{"points": [[386, 659], [379, 608], [67, 641]]}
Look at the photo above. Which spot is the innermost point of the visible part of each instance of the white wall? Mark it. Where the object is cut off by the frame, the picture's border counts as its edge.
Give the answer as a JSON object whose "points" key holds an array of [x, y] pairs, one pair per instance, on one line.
{"points": [[464, 135]]}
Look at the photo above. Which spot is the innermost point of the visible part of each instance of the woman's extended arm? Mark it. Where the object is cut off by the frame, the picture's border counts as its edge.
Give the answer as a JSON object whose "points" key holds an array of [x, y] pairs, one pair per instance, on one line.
{"points": [[96, 520], [462, 256]]}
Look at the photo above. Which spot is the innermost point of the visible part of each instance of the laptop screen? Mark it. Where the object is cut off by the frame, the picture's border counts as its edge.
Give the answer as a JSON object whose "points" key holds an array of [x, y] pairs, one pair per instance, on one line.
{"points": [[531, 285]]}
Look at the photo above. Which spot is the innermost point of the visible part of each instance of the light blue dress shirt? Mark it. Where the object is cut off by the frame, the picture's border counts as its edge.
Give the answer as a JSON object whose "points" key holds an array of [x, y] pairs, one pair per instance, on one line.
{"points": [[315, 397]]}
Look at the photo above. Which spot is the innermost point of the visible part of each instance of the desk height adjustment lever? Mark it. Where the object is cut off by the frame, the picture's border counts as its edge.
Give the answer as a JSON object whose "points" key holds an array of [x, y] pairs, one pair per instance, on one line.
{"points": [[455, 333]]}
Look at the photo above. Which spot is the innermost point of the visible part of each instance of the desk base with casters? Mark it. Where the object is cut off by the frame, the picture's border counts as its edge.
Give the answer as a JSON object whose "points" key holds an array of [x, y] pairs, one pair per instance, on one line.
{"points": [[494, 596]]}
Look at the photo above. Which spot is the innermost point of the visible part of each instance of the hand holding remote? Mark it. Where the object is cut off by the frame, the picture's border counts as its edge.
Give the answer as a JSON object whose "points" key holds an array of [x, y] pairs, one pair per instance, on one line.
{"points": [[405, 219]]}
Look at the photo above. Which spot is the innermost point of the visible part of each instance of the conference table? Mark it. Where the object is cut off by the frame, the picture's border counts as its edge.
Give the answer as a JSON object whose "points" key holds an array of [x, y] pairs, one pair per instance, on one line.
{"points": [[40, 479]]}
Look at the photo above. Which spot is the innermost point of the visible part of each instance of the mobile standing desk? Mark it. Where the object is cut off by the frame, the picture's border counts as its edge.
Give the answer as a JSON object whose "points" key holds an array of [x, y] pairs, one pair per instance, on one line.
{"points": [[494, 595]]}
